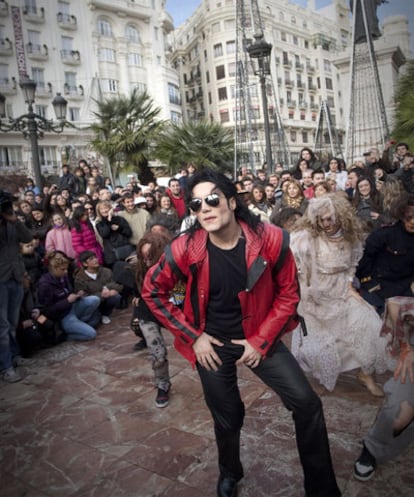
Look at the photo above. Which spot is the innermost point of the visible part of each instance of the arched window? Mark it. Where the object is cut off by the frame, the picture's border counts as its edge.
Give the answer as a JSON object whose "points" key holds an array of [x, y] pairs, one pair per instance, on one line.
{"points": [[104, 28], [132, 33]]}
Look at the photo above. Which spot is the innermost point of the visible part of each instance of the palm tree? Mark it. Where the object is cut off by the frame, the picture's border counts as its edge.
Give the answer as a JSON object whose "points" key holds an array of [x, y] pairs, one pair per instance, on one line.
{"points": [[126, 127], [404, 118], [204, 144]]}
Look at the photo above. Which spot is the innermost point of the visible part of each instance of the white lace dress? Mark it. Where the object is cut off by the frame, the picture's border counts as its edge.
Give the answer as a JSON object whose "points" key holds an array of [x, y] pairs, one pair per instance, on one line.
{"points": [[343, 329]]}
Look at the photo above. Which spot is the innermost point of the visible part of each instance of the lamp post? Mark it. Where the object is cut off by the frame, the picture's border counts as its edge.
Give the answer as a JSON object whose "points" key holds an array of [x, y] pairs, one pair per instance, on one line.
{"points": [[33, 125], [261, 50]]}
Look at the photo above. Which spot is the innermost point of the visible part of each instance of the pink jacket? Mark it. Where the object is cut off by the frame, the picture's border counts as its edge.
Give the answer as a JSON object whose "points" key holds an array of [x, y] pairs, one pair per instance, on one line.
{"points": [[86, 240], [60, 238]]}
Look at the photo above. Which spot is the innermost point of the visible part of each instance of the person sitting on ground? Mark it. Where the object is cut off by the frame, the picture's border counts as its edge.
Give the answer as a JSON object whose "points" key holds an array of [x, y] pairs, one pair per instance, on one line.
{"points": [[393, 429], [76, 313], [93, 279]]}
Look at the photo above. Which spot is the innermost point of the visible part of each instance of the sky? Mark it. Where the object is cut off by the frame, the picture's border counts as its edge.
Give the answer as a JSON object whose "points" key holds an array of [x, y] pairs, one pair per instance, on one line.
{"points": [[182, 9]]}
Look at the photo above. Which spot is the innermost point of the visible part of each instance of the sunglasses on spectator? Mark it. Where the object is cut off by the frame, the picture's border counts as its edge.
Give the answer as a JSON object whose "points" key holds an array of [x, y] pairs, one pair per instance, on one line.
{"points": [[211, 200]]}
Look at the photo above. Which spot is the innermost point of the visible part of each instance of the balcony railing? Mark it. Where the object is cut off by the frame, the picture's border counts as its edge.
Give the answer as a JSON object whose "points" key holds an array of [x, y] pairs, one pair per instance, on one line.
{"points": [[37, 51], [33, 14], [73, 91], [67, 21], [71, 57], [8, 86], [6, 47]]}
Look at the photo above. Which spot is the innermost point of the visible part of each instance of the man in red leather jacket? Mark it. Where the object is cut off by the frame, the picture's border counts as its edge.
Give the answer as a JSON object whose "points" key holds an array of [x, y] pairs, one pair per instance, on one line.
{"points": [[237, 305]]}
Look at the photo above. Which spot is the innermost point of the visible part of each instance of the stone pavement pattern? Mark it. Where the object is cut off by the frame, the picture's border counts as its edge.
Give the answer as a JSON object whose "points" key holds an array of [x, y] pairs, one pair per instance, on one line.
{"points": [[83, 423]]}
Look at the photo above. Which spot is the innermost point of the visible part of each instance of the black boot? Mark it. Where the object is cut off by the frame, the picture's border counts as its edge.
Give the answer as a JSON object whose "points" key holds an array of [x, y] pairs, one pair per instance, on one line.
{"points": [[226, 487]]}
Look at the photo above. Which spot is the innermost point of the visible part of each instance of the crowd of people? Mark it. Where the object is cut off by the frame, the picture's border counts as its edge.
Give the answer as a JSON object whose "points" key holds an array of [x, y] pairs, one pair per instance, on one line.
{"points": [[202, 258]]}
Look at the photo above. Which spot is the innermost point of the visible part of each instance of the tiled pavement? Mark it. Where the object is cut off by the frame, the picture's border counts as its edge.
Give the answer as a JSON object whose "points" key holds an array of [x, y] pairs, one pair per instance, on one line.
{"points": [[83, 423]]}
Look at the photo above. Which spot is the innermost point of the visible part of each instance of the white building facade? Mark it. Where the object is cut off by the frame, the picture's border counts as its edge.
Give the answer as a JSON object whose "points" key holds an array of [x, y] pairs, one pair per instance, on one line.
{"points": [[87, 50], [309, 64]]}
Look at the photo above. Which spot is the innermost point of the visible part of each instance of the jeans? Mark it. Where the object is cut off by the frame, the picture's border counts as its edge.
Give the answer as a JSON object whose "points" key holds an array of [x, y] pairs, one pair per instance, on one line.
{"points": [[108, 305], [11, 297], [82, 319], [282, 374]]}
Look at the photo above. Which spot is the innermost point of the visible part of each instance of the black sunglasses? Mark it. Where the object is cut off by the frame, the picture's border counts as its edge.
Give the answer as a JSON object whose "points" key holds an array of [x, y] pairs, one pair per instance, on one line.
{"points": [[211, 200]]}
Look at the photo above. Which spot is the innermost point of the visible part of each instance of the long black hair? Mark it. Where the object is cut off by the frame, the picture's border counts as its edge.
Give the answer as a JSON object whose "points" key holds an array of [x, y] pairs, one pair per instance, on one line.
{"points": [[228, 188]]}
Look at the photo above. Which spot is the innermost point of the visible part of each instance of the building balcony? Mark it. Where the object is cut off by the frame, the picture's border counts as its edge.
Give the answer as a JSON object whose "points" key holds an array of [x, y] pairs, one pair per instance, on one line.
{"points": [[73, 92], [67, 21], [166, 22], [6, 47], [287, 63], [70, 57], [300, 85], [4, 9], [289, 83], [33, 14], [312, 87], [291, 103], [303, 105], [299, 66], [8, 86], [36, 51], [310, 69], [44, 90], [314, 107]]}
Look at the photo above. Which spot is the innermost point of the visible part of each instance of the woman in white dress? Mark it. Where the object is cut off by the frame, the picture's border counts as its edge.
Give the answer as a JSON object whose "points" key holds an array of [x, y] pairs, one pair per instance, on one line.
{"points": [[343, 331]]}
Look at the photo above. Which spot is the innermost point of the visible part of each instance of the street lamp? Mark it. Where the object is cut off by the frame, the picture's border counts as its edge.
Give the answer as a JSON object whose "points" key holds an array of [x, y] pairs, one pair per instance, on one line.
{"points": [[33, 125], [261, 50]]}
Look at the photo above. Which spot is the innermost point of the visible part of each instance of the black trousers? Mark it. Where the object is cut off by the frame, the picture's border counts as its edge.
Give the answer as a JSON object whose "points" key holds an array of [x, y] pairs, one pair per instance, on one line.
{"points": [[282, 374]]}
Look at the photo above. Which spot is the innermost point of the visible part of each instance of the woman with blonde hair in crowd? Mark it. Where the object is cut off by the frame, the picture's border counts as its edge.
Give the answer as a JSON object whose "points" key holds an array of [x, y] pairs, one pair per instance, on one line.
{"points": [[343, 329], [293, 196]]}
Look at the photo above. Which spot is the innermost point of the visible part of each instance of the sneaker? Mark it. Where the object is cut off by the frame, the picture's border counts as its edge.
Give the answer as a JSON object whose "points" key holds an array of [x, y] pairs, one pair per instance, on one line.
{"points": [[162, 398], [11, 375], [105, 320], [365, 465], [141, 345], [23, 361]]}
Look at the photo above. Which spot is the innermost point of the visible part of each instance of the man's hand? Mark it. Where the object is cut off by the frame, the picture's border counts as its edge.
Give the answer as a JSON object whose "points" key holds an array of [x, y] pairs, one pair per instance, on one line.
{"points": [[250, 355], [205, 353], [405, 364]]}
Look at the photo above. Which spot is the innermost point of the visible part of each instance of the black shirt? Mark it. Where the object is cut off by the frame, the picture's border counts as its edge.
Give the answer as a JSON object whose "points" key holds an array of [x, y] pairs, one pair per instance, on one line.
{"points": [[228, 274]]}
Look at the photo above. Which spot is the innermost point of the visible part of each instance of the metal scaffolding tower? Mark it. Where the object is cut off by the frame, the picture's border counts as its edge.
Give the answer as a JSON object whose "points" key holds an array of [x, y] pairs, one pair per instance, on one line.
{"points": [[249, 121], [327, 143], [367, 123]]}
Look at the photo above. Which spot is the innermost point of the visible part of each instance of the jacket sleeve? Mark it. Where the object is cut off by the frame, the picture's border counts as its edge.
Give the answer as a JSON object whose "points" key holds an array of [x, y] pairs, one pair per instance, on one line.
{"points": [[24, 234], [103, 228], [375, 244], [124, 227], [282, 315], [53, 309], [156, 291]]}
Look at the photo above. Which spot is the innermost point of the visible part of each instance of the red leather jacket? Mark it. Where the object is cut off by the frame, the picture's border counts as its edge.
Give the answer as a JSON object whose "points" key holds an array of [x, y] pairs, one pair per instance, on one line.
{"points": [[268, 304]]}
